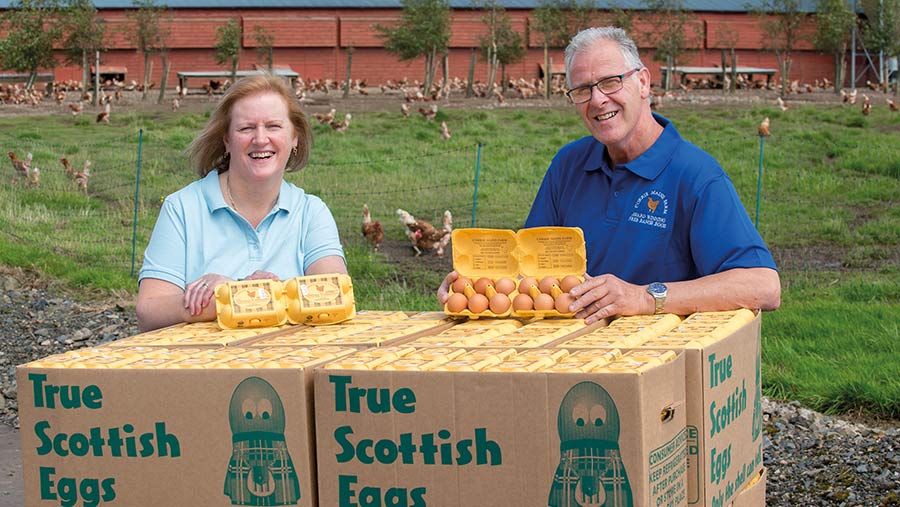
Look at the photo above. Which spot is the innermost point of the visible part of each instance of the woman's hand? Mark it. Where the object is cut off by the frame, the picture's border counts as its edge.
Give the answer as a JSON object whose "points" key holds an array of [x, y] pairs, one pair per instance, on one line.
{"points": [[198, 293], [262, 275]]}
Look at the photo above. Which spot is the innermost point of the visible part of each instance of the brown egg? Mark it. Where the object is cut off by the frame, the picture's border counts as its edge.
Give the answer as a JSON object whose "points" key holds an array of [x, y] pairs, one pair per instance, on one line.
{"points": [[460, 284], [478, 303], [563, 301], [543, 302], [457, 302], [526, 283], [505, 285], [481, 285], [523, 302], [500, 303], [568, 282], [547, 284]]}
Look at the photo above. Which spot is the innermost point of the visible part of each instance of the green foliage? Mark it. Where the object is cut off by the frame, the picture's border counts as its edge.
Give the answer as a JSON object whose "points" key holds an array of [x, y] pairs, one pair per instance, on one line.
{"points": [[146, 34], [781, 21], [228, 45], [265, 42], [33, 27], [423, 31], [557, 21], [85, 31], [834, 23]]}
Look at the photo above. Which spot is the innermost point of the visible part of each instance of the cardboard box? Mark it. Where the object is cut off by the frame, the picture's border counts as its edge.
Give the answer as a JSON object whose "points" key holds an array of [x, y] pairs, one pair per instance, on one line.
{"points": [[488, 438], [724, 412], [139, 437], [754, 493]]}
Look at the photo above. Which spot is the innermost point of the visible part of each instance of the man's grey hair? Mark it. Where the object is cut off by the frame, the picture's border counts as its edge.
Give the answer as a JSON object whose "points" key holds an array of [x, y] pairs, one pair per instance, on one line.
{"points": [[587, 38]]}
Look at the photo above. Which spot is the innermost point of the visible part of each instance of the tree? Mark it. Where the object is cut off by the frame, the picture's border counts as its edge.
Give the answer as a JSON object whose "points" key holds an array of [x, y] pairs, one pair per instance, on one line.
{"points": [[501, 45], [265, 44], [163, 46], [835, 22], [668, 20], [557, 21], [781, 21], [33, 27], [881, 30], [424, 30], [146, 35], [228, 45], [84, 32]]}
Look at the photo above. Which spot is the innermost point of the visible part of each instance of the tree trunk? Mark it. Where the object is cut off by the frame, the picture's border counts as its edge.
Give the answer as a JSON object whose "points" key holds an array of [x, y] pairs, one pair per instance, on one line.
{"points": [[503, 82], [347, 77], [234, 66], [145, 86], [838, 71], [445, 72], [470, 84], [725, 84], [734, 65], [270, 59], [492, 70], [167, 65], [85, 69], [547, 71]]}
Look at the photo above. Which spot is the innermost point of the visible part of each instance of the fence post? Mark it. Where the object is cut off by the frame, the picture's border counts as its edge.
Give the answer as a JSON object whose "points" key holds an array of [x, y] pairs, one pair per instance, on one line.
{"points": [[137, 191], [475, 194]]}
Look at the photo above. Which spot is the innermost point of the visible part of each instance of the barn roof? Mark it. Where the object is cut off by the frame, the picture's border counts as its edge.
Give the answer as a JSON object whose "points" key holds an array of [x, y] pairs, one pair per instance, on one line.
{"points": [[693, 5]]}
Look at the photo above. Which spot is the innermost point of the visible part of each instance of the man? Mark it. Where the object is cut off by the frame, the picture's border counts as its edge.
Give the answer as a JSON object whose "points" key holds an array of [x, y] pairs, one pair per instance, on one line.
{"points": [[664, 227]]}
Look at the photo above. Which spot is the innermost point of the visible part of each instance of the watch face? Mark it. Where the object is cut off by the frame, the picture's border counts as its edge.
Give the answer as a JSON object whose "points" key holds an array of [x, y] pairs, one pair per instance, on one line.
{"points": [[657, 288]]}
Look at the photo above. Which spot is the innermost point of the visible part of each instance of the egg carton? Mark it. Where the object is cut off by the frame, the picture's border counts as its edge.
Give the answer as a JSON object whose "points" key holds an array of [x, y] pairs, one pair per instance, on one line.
{"points": [[311, 299], [499, 266]]}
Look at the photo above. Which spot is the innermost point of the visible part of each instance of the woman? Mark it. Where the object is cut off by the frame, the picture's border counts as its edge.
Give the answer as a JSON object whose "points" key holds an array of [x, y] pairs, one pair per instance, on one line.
{"points": [[241, 220]]}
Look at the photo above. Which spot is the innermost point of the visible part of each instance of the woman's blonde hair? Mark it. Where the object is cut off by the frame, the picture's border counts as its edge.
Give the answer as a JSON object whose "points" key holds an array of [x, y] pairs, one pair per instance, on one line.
{"points": [[207, 151]]}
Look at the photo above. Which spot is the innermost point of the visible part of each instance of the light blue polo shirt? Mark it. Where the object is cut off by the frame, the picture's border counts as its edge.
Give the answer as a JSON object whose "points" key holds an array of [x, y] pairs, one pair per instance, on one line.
{"points": [[671, 214], [198, 233]]}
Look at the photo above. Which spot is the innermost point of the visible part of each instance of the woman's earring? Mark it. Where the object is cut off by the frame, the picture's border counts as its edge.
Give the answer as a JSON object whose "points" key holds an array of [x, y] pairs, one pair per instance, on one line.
{"points": [[294, 150]]}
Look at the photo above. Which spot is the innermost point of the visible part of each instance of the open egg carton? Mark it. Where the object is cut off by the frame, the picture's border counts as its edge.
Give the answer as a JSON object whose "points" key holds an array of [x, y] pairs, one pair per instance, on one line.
{"points": [[312, 300], [524, 274]]}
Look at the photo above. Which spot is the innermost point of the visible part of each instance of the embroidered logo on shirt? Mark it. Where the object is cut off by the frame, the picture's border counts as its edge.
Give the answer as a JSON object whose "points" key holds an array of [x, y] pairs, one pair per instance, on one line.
{"points": [[651, 208]]}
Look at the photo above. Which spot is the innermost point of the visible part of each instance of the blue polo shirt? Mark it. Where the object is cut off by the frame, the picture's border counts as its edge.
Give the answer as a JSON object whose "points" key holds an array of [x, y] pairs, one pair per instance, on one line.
{"points": [[198, 233], [671, 214]]}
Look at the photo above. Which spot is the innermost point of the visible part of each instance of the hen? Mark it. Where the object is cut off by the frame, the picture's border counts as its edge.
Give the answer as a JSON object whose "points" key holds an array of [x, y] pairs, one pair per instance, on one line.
{"points": [[429, 113], [103, 116], [867, 105], [81, 177], [445, 131], [22, 167], [342, 126], [326, 118], [425, 236], [70, 172], [764, 127], [372, 229], [893, 105]]}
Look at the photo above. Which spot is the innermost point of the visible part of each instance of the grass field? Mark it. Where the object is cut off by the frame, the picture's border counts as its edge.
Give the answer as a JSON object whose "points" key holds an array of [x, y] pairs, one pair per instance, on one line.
{"points": [[829, 211]]}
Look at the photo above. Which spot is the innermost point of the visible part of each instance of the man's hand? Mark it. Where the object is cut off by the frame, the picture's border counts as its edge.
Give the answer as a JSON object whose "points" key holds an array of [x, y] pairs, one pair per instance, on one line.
{"points": [[444, 290], [606, 295]]}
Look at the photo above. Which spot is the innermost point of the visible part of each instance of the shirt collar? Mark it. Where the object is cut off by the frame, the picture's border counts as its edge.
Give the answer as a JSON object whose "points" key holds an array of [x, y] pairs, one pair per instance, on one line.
{"points": [[212, 193], [649, 164]]}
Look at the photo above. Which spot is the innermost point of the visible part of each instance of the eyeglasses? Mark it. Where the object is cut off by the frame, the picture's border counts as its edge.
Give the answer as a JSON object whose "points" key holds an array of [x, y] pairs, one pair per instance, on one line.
{"points": [[607, 86]]}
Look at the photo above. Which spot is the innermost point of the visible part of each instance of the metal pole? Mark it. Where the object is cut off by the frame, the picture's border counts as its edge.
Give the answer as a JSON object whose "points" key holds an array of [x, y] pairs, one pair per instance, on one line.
{"points": [[762, 142], [475, 194], [853, 51], [137, 191]]}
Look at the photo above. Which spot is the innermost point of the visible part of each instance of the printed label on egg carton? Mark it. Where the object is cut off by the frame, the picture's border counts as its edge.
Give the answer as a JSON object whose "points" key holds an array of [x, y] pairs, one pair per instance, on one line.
{"points": [[524, 274]]}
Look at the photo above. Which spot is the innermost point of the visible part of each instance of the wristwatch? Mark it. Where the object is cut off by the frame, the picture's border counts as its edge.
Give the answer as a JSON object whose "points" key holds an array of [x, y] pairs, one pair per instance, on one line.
{"points": [[659, 291]]}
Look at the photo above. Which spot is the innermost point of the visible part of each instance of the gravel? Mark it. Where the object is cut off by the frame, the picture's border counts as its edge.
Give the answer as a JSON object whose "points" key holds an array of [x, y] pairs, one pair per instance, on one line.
{"points": [[813, 459]]}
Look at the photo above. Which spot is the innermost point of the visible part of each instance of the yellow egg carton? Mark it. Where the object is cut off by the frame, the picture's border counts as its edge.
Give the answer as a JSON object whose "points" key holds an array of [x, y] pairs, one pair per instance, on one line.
{"points": [[382, 316], [554, 354], [388, 353], [568, 365], [412, 364], [250, 303], [502, 325], [517, 364], [450, 340], [142, 363], [320, 299], [641, 354], [499, 353], [523, 341], [544, 334], [497, 254], [431, 353], [679, 341], [464, 363], [630, 365], [607, 354], [593, 342]]}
